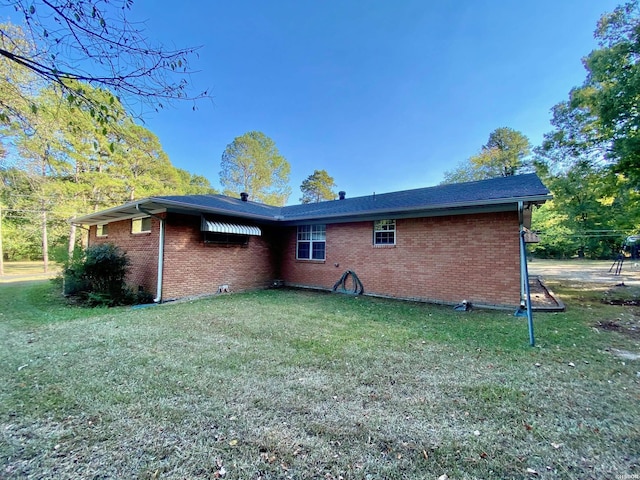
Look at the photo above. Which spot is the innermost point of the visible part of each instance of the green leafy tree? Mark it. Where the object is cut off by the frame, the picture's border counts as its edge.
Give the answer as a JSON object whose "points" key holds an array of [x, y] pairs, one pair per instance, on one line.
{"points": [[503, 155], [94, 42], [67, 163], [582, 199], [192, 184], [253, 164], [318, 187], [611, 91], [19, 85]]}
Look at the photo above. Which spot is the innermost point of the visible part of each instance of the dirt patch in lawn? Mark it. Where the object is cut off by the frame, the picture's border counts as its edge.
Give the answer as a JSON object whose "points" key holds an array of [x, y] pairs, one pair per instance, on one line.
{"points": [[543, 299]]}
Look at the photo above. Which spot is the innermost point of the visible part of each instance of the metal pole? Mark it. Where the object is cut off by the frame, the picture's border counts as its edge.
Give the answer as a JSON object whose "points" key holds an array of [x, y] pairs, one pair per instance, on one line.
{"points": [[523, 253]]}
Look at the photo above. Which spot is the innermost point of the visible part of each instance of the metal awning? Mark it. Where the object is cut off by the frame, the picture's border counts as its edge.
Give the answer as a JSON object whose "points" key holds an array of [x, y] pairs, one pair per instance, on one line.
{"points": [[221, 227]]}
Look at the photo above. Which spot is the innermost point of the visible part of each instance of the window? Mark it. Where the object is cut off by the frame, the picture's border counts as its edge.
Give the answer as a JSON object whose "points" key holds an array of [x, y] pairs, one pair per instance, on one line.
{"points": [[311, 242], [102, 230], [225, 238], [384, 232], [141, 225]]}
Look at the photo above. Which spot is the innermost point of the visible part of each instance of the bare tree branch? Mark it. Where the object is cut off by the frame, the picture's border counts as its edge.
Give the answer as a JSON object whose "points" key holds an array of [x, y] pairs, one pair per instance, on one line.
{"points": [[93, 41]]}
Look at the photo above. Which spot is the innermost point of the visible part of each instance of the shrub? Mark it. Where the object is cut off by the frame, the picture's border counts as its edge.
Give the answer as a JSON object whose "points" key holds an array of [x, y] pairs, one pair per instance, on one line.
{"points": [[98, 276]]}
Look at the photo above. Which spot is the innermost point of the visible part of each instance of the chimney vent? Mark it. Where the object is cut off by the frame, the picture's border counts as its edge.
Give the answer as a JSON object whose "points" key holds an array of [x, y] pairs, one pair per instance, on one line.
{"points": [[244, 196], [342, 194]]}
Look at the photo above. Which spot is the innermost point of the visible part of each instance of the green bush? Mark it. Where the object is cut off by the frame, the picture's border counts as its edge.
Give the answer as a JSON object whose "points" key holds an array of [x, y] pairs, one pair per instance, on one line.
{"points": [[98, 276]]}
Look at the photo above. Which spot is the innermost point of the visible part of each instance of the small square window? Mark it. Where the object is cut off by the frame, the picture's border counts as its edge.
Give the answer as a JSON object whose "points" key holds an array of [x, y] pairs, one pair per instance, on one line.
{"points": [[141, 225], [102, 230], [384, 232]]}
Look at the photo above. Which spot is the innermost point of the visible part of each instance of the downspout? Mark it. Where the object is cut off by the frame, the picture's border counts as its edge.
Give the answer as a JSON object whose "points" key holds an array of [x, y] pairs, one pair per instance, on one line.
{"points": [[525, 293], [158, 298]]}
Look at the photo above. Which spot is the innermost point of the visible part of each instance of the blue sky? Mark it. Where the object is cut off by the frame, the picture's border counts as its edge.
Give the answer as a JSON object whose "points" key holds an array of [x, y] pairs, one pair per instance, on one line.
{"points": [[384, 95]]}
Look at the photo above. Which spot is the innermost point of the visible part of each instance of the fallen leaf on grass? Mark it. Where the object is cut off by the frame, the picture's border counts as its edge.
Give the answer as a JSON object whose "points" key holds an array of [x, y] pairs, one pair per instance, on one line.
{"points": [[233, 443], [531, 471]]}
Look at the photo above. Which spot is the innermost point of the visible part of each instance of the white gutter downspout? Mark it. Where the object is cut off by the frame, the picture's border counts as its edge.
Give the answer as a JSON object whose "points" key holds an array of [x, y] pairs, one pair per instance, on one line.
{"points": [[158, 298]]}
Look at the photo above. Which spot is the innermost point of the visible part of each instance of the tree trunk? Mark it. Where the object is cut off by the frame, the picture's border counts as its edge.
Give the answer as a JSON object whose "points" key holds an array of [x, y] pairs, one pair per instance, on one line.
{"points": [[72, 241]]}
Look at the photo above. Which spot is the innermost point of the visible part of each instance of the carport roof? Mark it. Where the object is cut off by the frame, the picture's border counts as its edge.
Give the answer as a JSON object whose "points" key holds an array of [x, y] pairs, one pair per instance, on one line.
{"points": [[496, 194]]}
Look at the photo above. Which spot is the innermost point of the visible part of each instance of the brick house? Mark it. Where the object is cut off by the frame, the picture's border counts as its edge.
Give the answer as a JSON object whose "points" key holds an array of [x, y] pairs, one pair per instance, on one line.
{"points": [[439, 244]]}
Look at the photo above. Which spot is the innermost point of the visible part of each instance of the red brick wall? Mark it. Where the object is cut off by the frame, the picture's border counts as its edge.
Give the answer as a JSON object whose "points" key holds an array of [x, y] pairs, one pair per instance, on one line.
{"points": [[141, 248], [192, 267], [443, 259]]}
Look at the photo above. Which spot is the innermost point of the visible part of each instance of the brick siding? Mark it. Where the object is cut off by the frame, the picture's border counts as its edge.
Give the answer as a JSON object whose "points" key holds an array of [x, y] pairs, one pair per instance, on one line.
{"points": [[141, 248], [440, 259], [191, 267]]}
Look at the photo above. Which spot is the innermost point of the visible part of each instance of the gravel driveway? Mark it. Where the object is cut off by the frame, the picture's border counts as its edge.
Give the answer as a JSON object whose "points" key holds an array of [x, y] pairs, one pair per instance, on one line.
{"points": [[588, 271]]}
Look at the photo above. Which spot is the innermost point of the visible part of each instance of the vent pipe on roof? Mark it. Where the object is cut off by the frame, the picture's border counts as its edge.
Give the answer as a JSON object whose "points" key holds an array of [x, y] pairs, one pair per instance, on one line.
{"points": [[244, 196], [342, 194]]}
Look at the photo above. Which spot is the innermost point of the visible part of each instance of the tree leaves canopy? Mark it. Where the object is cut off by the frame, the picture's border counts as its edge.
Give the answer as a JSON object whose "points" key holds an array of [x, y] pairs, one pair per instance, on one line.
{"points": [[317, 187], [611, 91], [253, 164], [93, 42], [502, 156]]}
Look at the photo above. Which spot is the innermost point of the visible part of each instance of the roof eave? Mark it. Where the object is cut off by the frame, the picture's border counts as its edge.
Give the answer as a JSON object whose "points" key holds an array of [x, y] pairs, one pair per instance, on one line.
{"points": [[419, 211], [160, 205]]}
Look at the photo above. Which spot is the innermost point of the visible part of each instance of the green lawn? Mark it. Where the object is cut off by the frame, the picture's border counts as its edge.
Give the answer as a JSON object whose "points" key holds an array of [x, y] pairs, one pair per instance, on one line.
{"points": [[27, 270], [290, 384]]}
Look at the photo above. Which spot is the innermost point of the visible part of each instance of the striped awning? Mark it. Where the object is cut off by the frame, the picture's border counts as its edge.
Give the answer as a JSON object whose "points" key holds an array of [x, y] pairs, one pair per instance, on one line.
{"points": [[222, 227]]}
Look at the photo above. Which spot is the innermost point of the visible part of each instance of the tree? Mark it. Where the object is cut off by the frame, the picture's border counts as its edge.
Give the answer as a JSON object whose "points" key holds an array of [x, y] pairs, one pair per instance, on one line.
{"points": [[253, 164], [93, 42], [502, 156], [611, 91], [67, 163], [317, 187]]}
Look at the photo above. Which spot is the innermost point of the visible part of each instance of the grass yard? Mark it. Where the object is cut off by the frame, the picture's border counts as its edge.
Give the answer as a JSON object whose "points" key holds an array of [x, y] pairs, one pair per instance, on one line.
{"points": [[27, 270], [285, 384]]}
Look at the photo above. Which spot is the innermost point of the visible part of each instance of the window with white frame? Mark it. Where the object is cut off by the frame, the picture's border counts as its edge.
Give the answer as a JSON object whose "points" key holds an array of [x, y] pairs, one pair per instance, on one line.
{"points": [[102, 230], [141, 225], [311, 242], [384, 232]]}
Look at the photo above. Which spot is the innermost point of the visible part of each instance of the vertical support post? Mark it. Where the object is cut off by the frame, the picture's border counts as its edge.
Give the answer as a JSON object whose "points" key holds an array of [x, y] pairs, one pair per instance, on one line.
{"points": [[525, 295], [525, 275]]}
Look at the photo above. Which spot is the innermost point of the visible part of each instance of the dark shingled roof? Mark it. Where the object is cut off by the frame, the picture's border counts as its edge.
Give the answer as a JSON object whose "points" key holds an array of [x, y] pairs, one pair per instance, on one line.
{"points": [[493, 193], [456, 195]]}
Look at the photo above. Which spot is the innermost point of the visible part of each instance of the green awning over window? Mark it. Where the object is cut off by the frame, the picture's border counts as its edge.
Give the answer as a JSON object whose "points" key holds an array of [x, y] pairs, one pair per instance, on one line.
{"points": [[235, 229]]}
